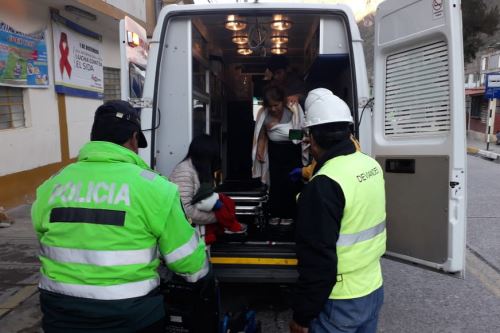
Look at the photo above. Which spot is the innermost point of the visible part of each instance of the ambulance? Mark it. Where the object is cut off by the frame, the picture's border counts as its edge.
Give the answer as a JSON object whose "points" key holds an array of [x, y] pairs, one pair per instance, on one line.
{"points": [[206, 66]]}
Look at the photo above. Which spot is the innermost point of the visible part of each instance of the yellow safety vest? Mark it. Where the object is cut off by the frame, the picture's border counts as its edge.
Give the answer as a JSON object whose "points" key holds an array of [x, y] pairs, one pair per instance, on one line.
{"points": [[362, 235]]}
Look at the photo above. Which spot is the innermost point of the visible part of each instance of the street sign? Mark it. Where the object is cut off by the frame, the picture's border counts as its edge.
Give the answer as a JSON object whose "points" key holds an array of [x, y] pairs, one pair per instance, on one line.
{"points": [[492, 85]]}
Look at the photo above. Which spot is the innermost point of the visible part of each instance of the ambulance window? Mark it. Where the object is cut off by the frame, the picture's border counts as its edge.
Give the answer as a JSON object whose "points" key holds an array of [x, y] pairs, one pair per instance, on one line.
{"points": [[137, 76], [200, 125], [199, 76]]}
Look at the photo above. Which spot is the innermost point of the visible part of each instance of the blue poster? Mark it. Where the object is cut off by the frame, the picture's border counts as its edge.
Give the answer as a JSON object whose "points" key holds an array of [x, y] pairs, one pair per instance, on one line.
{"points": [[23, 58]]}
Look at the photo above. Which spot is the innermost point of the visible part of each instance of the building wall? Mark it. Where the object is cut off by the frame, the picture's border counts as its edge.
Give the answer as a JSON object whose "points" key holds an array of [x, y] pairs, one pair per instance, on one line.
{"points": [[38, 143], [30, 155], [477, 125], [138, 7], [487, 61]]}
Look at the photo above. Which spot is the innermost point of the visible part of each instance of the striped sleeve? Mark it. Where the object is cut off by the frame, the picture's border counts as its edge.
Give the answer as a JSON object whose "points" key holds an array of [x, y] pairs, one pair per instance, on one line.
{"points": [[180, 245]]}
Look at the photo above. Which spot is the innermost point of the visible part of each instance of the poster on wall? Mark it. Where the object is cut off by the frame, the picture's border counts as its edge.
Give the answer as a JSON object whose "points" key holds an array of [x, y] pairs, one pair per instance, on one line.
{"points": [[78, 63], [23, 58]]}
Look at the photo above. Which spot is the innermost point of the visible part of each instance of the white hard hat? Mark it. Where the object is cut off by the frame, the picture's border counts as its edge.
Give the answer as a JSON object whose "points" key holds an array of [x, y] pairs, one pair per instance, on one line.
{"points": [[322, 107]]}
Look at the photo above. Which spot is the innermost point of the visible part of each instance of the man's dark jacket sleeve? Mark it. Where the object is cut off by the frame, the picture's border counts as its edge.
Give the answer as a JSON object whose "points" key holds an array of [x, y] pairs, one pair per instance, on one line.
{"points": [[320, 208]]}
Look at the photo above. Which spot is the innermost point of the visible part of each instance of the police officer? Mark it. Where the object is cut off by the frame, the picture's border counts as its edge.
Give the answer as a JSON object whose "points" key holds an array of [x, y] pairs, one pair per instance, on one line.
{"points": [[340, 231], [101, 222]]}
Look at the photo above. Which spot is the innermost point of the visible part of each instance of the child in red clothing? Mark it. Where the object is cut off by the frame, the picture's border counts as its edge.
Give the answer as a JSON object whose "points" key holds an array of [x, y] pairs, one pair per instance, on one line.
{"points": [[224, 210]]}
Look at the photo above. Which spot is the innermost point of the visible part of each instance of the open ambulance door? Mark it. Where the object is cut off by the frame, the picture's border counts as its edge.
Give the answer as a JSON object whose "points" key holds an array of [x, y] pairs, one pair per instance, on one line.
{"points": [[134, 49], [419, 130], [134, 54]]}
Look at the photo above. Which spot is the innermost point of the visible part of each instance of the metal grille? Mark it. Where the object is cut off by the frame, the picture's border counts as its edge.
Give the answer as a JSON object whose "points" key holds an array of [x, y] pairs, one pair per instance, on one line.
{"points": [[11, 108], [111, 83], [417, 99]]}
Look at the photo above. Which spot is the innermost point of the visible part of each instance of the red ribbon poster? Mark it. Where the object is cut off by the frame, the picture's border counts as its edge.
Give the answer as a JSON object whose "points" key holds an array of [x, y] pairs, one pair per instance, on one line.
{"points": [[78, 61], [64, 52]]}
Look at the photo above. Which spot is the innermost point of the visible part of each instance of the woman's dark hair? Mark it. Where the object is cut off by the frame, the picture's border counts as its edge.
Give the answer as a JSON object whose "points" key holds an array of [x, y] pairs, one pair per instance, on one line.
{"points": [[327, 135], [273, 93], [204, 154]]}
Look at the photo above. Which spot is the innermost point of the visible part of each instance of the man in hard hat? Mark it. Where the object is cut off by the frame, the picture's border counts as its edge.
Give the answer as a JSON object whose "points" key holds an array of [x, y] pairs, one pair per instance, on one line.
{"points": [[340, 231], [101, 222]]}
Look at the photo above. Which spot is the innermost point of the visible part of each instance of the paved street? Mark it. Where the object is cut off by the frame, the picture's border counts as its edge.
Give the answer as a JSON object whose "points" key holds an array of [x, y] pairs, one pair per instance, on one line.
{"points": [[416, 300], [419, 300]]}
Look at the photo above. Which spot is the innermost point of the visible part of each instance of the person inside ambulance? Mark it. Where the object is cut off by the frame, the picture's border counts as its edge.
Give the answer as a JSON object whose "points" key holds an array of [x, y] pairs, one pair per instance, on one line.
{"points": [[292, 85], [274, 154], [340, 230], [100, 222], [212, 212]]}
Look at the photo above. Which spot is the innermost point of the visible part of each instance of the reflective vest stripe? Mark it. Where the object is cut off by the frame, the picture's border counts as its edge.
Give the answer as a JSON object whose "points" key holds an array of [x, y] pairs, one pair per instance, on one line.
{"points": [[113, 292], [148, 174], [183, 251], [198, 275], [97, 257], [351, 239]]}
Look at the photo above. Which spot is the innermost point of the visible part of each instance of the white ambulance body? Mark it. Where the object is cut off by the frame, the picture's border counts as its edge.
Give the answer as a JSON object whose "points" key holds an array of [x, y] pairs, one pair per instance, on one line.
{"points": [[196, 82]]}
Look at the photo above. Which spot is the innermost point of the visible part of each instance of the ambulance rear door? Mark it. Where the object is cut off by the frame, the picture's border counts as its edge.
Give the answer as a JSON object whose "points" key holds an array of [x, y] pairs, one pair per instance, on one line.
{"points": [[419, 130], [135, 51]]}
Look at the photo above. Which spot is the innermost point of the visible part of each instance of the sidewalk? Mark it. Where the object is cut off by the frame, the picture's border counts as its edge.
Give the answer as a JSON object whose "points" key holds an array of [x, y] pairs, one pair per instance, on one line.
{"points": [[19, 309], [478, 147]]}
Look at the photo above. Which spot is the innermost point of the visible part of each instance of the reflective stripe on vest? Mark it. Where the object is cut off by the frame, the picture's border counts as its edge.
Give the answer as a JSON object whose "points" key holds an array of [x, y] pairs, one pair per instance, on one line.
{"points": [[351, 239], [113, 292], [149, 175], [198, 275], [183, 251], [97, 257]]}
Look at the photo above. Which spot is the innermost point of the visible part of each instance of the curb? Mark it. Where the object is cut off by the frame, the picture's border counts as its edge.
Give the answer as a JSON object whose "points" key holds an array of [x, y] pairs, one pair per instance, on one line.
{"points": [[492, 156], [16, 299]]}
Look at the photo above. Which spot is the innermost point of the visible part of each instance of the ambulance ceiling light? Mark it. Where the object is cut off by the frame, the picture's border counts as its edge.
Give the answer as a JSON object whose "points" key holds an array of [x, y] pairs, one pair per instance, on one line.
{"points": [[235, 23], [244, 50], [240, 38], [280, 22], [279, 49], [279, 38]]}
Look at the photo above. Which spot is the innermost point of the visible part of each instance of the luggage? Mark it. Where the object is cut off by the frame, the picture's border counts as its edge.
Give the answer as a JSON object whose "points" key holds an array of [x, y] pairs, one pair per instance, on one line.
{"points": [[191, 307]]}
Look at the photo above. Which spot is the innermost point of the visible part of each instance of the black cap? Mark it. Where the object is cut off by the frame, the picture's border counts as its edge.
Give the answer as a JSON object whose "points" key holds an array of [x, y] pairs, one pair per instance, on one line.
{"points": [[115, 121]]}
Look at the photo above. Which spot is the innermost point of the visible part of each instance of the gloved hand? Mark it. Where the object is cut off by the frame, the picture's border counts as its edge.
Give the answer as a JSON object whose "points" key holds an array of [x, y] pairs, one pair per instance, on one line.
{"points": [[295, 175]]}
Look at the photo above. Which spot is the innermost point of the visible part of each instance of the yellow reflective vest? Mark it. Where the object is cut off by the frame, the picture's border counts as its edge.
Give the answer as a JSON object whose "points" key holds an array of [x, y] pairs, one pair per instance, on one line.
{"points": [[362, 236]]}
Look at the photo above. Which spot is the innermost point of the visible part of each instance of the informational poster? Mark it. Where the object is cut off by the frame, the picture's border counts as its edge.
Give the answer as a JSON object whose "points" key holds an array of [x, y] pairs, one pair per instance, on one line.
{"points": [[23, 58], [78, 63]]}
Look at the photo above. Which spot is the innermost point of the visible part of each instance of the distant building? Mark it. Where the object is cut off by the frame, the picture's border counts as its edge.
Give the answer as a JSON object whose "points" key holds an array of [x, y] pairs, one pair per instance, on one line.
{"points": [[475, 101]]}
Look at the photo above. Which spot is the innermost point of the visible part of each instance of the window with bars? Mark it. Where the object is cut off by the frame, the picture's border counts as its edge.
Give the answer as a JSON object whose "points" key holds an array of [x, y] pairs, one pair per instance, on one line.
{"points": [[11, 108], [111, 83]]}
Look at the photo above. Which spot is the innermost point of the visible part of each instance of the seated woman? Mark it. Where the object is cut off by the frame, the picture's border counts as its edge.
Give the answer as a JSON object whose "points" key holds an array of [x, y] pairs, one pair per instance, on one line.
{"points": [[274, 154], [195, 177]]}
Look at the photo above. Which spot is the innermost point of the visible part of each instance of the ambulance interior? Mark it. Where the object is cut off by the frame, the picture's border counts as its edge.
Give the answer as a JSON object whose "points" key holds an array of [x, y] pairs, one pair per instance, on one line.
{"points": [[229, 57]]}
